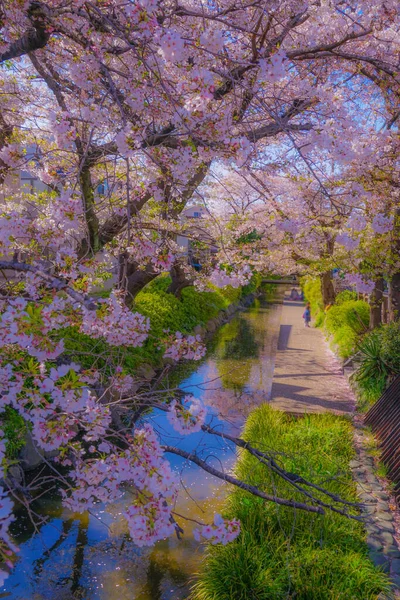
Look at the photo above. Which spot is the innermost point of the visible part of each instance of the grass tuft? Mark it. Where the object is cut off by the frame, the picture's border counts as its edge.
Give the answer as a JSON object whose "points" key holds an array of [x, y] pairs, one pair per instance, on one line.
{"points": [[282, 553]]}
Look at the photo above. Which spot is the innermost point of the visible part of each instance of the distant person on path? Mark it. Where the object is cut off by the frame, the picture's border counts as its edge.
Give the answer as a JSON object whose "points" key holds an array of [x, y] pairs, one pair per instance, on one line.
{"points": [[307, 315], [295, 295]]}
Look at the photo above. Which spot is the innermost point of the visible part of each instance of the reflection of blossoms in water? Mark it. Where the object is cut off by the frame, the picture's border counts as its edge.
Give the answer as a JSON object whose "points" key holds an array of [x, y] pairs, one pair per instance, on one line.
{"points": [[234, 405], [187, 418]]}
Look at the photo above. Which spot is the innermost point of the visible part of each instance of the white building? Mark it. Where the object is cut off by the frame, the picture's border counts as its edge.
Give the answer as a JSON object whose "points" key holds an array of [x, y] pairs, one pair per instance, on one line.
{"points": [[191, 213]]}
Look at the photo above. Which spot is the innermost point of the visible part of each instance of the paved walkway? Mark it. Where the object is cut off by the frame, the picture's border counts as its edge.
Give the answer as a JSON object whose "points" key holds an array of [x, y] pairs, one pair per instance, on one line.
{"points": [[307, 377]]}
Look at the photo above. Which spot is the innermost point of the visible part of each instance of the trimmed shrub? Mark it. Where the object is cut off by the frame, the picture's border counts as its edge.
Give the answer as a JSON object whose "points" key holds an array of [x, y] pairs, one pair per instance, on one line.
{"points": [[345, 339], [345, 296], [346, 322], [165, 311], [353, 313], [312, 294]]}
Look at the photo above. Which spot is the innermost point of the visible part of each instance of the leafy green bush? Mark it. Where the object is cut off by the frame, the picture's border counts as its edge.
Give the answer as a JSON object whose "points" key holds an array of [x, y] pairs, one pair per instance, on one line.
{"points": [[372, 374], [282, 553], [165, 311], [253, 285], [390, 346], [345, 339], [345, 296], [380, 361], [346, 322], [320, 319], [15, 429], [353, 313]]}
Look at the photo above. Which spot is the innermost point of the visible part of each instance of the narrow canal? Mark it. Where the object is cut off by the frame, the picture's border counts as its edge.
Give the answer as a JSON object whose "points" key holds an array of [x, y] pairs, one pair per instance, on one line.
{"points": [[91, 557]]}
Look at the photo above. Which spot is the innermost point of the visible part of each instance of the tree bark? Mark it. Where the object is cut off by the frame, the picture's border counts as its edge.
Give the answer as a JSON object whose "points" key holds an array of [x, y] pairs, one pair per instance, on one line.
{"points": [[327, 289], [394, 298], [91, 217], [133, 278], [180, 280], [35, 37], [375, 303]]}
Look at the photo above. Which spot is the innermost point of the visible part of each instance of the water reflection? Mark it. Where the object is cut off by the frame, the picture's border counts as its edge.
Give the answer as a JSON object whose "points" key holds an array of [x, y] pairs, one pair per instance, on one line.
{"points": [[92, 557]]}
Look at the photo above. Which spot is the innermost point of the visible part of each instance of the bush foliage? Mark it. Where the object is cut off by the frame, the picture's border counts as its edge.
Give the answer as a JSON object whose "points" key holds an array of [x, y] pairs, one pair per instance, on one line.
{"points": [[166, 313], [282, 553], [345, 321], [380, 362], [352, 313], [345, 296], [390, 346], [14, 429]]}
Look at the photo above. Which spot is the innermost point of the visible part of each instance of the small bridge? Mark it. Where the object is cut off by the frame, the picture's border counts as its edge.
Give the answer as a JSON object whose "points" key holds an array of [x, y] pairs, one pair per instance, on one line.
{"points": [[282, 281]]}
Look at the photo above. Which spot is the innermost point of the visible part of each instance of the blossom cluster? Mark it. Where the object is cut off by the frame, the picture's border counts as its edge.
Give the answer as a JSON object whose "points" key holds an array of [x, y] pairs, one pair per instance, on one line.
{"points": [[7, 546], [362, 284], [145, 250], [188, 348], [116, 323], [236, 278], [143, 466], [222, 531]]}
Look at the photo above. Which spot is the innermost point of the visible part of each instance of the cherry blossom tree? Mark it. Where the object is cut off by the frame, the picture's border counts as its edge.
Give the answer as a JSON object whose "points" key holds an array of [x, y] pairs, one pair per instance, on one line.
{"points": [[133, 109]]}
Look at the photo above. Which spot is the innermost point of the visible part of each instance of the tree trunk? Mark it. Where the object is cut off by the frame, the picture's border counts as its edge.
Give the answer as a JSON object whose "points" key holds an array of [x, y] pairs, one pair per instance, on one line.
{"points": [[132, 278], [375, 304], [180, 279], [91, 217], [394, 298], [327, 289]]}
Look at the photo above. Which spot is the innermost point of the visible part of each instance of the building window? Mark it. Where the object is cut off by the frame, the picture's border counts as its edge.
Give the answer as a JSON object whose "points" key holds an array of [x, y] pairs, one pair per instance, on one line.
{"points": [[197, 214]]}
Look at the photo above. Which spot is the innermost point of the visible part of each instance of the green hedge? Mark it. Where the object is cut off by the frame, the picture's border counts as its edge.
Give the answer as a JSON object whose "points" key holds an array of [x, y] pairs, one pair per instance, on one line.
{"points": [[353, 314], [282, 553], [346, 322], [345, 296], [15, 430], [166, 312]]}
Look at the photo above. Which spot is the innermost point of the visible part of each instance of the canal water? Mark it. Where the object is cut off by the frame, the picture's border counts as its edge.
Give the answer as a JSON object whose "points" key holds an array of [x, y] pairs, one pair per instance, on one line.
{"points": [[91, 557]]}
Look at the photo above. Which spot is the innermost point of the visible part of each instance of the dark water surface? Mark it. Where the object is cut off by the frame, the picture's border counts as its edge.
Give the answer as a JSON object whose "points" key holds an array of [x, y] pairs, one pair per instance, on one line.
{"points": [[90, 556]]}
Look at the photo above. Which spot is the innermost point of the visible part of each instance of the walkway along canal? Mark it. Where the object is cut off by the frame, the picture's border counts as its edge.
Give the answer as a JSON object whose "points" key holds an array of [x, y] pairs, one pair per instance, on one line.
{"points": [[90, 556]]}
